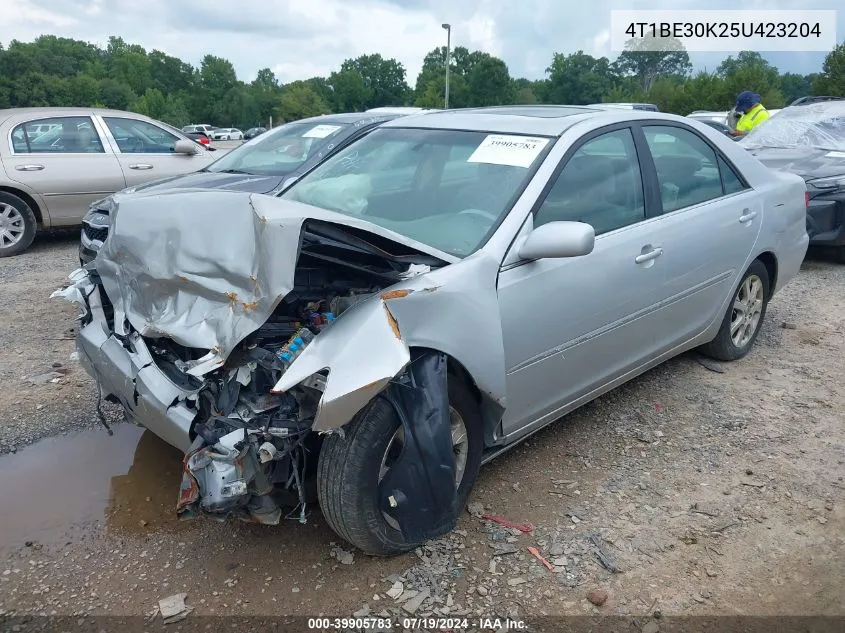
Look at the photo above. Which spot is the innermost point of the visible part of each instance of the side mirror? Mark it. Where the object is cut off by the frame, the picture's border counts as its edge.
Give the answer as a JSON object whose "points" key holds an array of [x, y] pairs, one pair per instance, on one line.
{"points": [[182, 146], [558, 239]]}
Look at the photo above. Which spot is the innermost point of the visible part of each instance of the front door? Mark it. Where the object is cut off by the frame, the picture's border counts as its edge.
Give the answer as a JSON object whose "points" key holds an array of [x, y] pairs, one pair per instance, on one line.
{"points": [[145, 151], [572, 325], [65, 160]]}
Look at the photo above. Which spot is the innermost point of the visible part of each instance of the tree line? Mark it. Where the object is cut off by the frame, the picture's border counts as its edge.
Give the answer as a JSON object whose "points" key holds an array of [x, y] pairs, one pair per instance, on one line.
{"points": [[56, 71]]}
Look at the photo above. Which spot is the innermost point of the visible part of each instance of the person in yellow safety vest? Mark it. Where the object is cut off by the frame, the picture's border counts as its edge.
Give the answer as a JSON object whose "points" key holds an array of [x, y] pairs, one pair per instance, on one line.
{"points": [[753, 113]]}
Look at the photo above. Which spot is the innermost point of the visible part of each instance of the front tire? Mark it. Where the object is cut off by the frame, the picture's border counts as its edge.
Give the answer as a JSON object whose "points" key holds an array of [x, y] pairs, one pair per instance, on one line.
{"points": [[17, 225], [743, 318], [350, 468]]}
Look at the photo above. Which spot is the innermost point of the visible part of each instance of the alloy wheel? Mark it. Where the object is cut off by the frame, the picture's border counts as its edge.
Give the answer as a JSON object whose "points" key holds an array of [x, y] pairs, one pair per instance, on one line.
{"points": [[747, 308]]}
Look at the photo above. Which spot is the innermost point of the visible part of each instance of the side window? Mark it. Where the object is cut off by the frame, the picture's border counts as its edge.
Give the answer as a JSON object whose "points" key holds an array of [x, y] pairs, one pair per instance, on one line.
{"points": [[730, 181], [60, 135], [139, 137], [687, 168], [600, 184]]}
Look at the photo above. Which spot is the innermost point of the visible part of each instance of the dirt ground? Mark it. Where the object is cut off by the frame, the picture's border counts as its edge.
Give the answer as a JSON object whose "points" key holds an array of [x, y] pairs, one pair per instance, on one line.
{"points": [[706, 488]]}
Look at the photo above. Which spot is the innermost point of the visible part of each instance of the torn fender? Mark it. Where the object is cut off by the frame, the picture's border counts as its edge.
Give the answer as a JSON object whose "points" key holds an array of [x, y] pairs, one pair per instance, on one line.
{"points": [[419, 490], [453, 310]]}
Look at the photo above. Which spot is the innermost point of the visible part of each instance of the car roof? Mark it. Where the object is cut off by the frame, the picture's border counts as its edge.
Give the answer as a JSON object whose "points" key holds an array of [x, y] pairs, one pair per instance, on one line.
{"points": [[348, 117], [39, 112], [52, 111], [541, 120]]}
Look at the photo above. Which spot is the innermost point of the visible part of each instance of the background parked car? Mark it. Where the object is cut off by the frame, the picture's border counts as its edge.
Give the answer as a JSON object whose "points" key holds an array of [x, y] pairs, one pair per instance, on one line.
{"points": [[254, 131], [262, 165], [815, 99], [50, 177], [710, 115], [199, 137], [199, 127], [648, 107], [809, 139], [727, 118], [405, 110], [721, 127], [226, 134]]}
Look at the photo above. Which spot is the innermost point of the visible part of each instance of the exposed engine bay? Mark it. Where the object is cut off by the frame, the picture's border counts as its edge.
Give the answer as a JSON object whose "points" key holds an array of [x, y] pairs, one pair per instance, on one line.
{"points": [[253, 451]]}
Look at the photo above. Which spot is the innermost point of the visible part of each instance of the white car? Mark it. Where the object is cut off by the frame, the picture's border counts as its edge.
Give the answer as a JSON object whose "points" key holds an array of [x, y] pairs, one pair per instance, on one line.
{"points": [[226, 134], [202, 127]]}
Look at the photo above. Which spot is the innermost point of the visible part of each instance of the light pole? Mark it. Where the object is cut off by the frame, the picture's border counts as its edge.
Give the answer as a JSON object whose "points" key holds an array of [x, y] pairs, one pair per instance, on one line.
{"points": [[448, 28]]}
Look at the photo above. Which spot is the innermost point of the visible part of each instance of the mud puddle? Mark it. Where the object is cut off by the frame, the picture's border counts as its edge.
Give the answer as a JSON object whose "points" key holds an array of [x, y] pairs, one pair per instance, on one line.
{"points": [[62, 486]]}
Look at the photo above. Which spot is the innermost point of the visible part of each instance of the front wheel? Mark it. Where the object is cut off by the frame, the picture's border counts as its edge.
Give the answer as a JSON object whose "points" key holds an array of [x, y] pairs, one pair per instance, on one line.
{"points": [[352, 464], [17, 225], [743, 318]]}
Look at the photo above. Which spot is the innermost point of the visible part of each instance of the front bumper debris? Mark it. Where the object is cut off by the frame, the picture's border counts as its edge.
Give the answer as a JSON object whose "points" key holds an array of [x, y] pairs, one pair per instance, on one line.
{"points": [[125, 370]]}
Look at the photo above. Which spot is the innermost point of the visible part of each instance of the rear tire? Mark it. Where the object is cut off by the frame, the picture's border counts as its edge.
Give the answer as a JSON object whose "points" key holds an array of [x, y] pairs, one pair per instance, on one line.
{"points": [[17, 225], [350, 464], [743, 318]]}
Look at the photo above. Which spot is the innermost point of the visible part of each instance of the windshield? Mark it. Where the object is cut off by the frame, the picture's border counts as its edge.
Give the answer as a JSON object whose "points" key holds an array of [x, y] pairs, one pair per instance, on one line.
{"points": [[820, 126], [444, 188], [281, 150]]}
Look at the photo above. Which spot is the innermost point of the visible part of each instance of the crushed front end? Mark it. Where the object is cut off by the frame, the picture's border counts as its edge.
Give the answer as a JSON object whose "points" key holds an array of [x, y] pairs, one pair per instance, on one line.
{"points": [[250, 446]]}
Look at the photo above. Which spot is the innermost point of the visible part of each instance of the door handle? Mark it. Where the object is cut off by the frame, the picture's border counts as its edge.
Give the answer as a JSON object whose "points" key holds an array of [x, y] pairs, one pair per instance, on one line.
{"points": [[141, 166], [747, 216], [29, 167], [650, 255]]}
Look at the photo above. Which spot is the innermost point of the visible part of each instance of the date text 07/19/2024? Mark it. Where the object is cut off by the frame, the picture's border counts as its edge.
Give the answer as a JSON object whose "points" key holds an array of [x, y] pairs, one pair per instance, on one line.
{"points": [[414, 623]]}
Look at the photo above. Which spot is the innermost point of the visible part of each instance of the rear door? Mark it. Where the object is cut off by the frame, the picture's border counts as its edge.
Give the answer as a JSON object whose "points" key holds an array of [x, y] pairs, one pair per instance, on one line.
{"points": [[710, 220], [145, 151], [571, 326], [67, 161]]}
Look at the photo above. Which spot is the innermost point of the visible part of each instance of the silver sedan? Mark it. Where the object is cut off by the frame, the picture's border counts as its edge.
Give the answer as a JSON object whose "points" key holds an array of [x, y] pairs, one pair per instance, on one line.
{"points": [[54, 162], [425, 298]]}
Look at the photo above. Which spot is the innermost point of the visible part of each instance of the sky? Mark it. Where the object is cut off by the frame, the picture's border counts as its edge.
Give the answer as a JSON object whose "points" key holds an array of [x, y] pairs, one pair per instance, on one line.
{"points": [[298, 39]]}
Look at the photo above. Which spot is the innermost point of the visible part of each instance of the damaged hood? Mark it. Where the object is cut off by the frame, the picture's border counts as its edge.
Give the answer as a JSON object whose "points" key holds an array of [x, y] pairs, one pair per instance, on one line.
{"points": [[212, 273], [205, 179]]}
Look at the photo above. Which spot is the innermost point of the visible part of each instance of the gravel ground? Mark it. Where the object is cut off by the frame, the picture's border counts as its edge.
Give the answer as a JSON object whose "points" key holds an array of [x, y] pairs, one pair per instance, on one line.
{"points": [[699, 488]]}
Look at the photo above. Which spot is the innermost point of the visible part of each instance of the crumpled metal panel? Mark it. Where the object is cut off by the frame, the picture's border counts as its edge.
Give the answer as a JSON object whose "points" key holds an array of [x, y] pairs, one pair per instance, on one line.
{"points": [[453, 309], [206, 269], [363, 350]]}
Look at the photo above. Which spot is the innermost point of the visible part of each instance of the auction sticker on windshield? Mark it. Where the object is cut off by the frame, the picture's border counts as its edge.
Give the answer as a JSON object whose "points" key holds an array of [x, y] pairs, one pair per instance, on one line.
{"points": [[503, 149], [321, 131]]}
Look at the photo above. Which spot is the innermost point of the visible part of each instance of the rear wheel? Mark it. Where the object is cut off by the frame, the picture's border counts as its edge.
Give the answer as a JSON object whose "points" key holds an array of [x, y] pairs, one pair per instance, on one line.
{"points": [[743, 318], [17, 225], [352, 464]]}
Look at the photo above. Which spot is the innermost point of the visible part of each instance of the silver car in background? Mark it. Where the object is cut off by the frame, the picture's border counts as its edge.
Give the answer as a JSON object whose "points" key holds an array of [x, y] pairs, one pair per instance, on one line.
{"points": [[431, 294], [54, 162]]}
